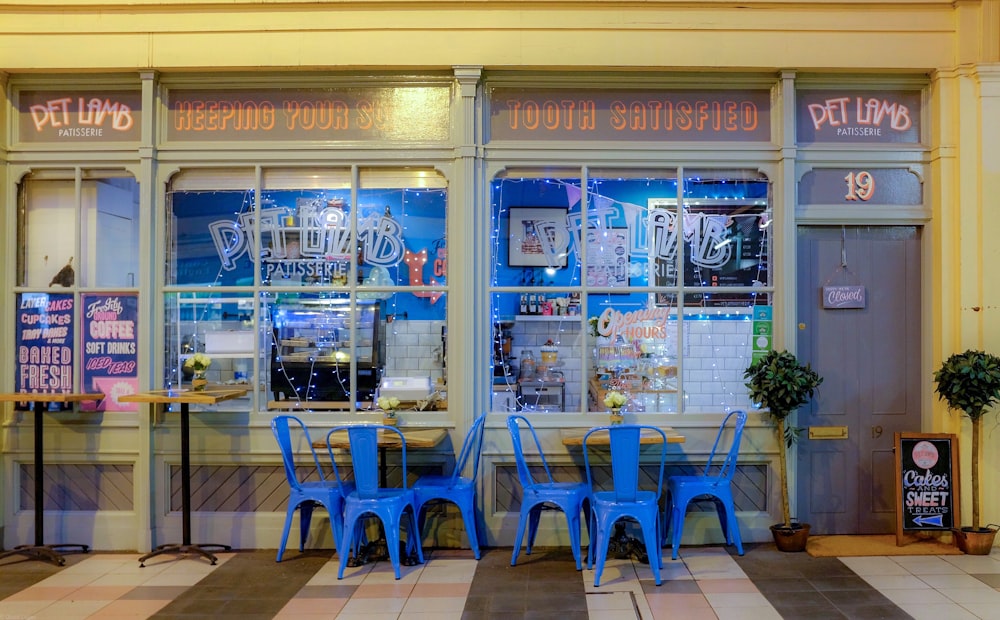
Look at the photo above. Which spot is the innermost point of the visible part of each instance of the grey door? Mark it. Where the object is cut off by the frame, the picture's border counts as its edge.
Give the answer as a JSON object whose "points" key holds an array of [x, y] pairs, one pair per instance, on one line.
{"points": [[870, 361]]}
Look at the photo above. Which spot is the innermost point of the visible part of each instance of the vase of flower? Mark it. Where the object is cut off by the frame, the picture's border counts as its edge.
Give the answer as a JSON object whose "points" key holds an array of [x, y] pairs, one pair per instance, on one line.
{"points": [[388, 405], [198, 364], [614, 400]]}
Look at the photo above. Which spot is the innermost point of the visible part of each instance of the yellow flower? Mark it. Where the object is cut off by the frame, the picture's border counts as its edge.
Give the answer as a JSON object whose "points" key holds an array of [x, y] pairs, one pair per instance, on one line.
{"points": [[614, 400], [388, 403], [198, 362]]}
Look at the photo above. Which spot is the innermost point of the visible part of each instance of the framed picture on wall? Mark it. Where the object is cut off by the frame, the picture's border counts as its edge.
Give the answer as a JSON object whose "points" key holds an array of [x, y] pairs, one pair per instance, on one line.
{"points": [[607, 257], [538, 237]]}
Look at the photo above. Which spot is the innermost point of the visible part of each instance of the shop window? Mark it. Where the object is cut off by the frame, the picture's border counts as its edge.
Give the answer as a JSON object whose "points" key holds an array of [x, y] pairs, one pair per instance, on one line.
{"points": [[338, 280], [78, 229], [601, 283]]}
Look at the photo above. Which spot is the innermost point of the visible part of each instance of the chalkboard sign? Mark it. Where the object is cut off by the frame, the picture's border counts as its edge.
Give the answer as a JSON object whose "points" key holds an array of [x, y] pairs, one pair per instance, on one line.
{"points": [[927, 482]]}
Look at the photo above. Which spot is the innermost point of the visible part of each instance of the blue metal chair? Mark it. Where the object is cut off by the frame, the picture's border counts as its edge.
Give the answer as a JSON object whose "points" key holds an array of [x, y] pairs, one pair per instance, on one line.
{"points": [[626, 500], [394, 507], [456, 488], [716, 486], [570, 497], [303, 494]]}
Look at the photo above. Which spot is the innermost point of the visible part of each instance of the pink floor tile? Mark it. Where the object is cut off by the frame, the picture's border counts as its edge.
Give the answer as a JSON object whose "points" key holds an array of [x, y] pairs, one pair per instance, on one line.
{"points": [[679, 604], [383, 590], [440, 590], [98, 593]]}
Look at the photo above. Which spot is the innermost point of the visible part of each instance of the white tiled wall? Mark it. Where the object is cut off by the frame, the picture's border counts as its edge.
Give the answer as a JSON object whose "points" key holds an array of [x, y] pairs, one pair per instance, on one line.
{"points": [[715, 354], [414, 349]]}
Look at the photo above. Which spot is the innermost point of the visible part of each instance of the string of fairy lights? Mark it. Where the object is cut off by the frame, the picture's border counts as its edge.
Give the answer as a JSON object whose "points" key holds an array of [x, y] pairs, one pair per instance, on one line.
{"points": [[312, 382], [743, 206]]}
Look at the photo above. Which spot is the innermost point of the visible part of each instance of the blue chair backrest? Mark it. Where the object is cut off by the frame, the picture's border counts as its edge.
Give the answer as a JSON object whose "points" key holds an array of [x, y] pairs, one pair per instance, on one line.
{"points": [[625, 453], [523, 473], [281, 427], [729, 464], [364, 455], [472, 446]]}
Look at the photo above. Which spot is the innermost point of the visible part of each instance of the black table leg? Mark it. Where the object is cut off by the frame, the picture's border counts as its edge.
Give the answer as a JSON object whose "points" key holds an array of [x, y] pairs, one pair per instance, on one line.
{"points": [[40, 550], [185, 546]]}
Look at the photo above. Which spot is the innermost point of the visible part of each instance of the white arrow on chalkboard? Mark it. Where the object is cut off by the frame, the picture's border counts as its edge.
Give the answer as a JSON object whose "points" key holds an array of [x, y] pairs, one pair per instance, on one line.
{"points": [[932, 520]]}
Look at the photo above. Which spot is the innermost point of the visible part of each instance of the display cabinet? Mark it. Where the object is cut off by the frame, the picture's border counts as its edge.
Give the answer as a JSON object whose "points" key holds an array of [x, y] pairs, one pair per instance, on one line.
{"points": [[311, 349]]}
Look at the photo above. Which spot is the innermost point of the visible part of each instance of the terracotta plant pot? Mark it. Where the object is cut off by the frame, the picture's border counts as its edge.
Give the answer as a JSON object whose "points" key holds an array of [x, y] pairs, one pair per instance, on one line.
{"points": [[792, 538], [389, 420], [976, 542]]}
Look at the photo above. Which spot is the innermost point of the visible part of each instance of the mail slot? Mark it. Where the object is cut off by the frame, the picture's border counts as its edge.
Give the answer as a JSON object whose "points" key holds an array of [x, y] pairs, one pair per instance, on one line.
{"points": [[827, 432]]}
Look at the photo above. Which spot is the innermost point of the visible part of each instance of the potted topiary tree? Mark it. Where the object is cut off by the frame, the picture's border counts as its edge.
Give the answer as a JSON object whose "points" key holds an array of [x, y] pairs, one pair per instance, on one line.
{"points": [[970, 382], [781, 384]]}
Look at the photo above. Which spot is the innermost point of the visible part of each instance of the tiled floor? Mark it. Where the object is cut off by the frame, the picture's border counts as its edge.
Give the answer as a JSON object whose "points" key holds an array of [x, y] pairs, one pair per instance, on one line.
{"points": [[707, 583]]}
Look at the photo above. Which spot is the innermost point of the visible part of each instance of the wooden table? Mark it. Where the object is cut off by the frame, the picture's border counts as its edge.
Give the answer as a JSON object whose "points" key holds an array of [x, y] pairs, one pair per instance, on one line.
{"points": [[415, 438], [211, 395], [40, 550], [574, 437]]}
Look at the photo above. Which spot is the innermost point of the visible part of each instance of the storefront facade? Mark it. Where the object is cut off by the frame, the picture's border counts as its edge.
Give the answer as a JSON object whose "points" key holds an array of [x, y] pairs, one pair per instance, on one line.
{"points": [[423, 226]]}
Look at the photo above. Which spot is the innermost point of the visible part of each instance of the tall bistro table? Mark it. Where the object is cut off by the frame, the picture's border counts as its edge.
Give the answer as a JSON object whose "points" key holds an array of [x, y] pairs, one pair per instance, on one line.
{"points": [[40, 550], [622, 545], [415, 438], [211, 395]]}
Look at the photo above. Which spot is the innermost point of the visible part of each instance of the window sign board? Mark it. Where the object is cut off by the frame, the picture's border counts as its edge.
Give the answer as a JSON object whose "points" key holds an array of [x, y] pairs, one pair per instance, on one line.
{"points": [[848, 116], [861, 186], [927, 480]]}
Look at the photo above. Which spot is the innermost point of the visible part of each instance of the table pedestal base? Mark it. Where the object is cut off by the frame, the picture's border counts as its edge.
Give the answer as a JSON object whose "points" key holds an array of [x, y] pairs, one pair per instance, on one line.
{"points": [[43, 552], [377, 550], [624, 547], [184, 549]]}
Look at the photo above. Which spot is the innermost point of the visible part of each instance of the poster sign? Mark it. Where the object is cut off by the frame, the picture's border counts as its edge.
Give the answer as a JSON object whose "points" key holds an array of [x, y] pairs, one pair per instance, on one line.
{"points": [[44, 343], [607, 257], [926, 482], [842, 297], [110, 349]]}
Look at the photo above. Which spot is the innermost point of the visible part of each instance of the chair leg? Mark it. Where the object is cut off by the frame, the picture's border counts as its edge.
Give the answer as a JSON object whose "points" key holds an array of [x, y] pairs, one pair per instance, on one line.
{"points": [[601, 542], [521, 522], [392, 542], [534, 516], [305, 518], [650, 539], [573, 522], [414, 535], [469, 518], [733, 531], [677, 528], [350, 531], [288, 527]]}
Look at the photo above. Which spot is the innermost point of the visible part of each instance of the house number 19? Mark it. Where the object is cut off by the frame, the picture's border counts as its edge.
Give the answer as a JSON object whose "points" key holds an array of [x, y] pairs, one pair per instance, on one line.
{"points": [[860, 185]]}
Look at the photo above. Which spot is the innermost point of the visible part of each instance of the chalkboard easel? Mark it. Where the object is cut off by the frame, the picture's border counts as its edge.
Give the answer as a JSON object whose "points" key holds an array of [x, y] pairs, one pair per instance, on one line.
{"points": [[927, 483]]}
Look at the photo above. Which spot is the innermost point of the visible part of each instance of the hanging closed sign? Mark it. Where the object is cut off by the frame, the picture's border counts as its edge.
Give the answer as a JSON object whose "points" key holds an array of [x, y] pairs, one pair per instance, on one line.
{"points": [[841, 297]]}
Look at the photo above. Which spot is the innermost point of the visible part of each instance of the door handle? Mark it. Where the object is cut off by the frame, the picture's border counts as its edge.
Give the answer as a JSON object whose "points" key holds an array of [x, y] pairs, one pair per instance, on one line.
{"points": [[876, 432]]}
